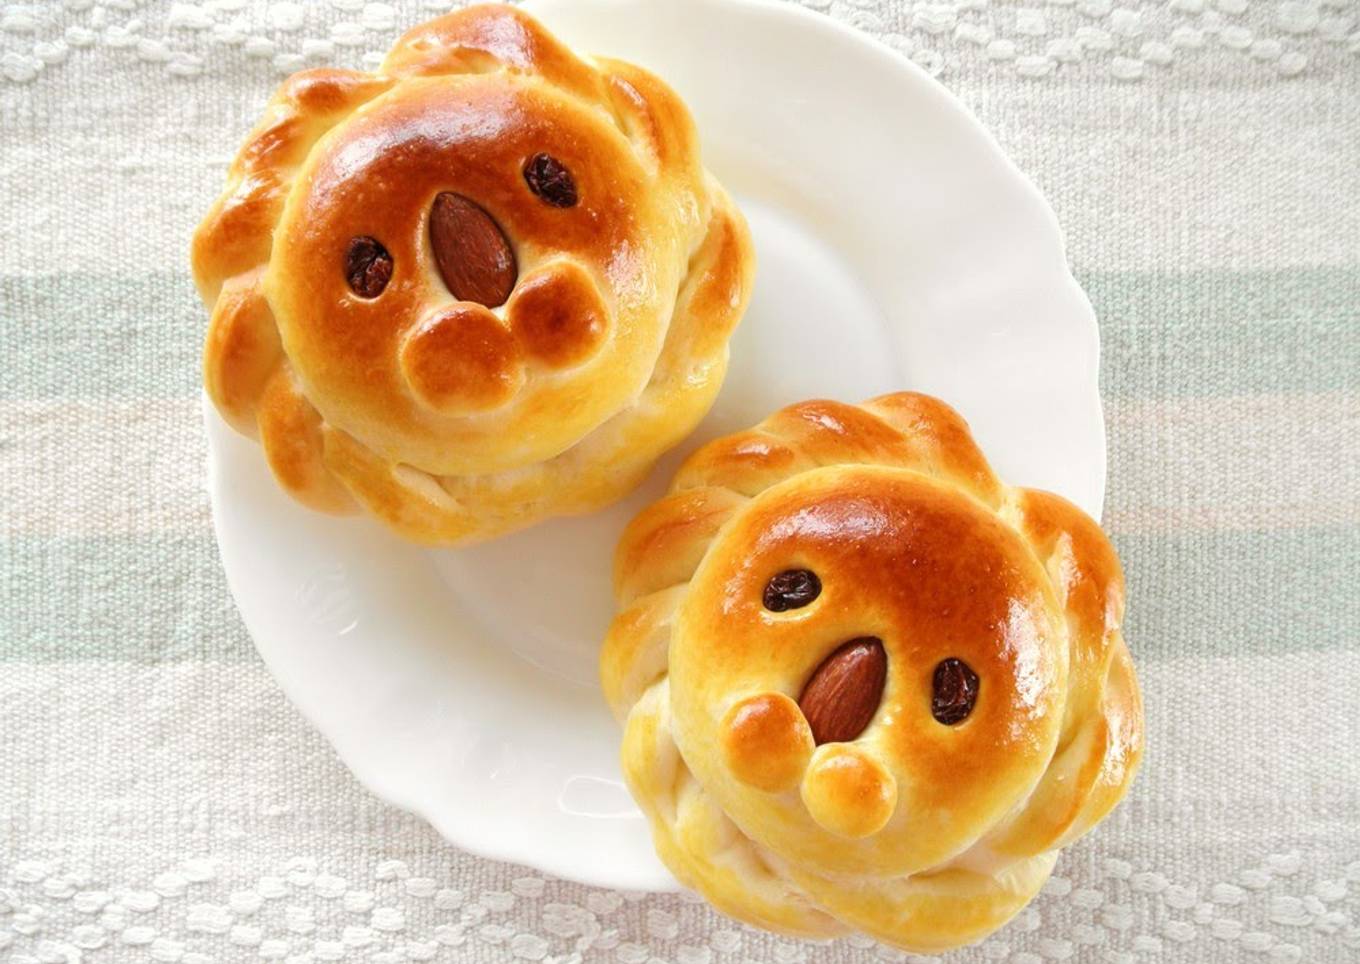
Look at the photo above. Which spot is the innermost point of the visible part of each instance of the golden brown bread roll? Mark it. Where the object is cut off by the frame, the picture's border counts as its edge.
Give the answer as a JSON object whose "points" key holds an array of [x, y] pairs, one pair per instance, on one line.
{"points": [[864, 684], [487, 284]]}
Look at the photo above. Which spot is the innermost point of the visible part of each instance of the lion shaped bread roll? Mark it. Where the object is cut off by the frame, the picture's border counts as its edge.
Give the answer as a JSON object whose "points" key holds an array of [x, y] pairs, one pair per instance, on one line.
{"points": [[488, 284], [864, 684]]}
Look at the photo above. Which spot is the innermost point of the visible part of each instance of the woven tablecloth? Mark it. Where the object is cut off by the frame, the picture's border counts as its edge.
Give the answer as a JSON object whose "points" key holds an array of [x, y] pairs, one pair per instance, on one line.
{"points": [[161, 801]]}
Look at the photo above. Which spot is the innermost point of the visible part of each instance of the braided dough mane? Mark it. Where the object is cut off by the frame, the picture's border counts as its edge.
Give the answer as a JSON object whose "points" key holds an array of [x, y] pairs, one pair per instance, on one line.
{"points": [[450, 420], [924, 835]]}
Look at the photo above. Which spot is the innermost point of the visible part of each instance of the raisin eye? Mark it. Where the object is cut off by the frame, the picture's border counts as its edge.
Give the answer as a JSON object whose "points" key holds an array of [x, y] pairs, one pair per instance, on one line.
{"points": [[550, 181], [368, 266], [791, 589], [955, 691]]}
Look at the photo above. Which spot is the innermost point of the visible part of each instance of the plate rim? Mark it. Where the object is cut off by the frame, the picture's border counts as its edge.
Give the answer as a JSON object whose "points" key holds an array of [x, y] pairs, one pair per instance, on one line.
{"points": [[507, 848], [949, 101]]}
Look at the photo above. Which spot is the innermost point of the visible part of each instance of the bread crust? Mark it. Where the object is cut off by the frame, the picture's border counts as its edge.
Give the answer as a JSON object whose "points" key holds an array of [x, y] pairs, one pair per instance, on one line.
{"points": [[924, 834], [453, 421]]}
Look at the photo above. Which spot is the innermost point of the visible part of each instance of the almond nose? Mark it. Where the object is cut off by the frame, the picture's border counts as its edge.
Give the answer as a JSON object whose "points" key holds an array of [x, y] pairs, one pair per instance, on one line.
{"points": [[471, 251], [843, 693]]}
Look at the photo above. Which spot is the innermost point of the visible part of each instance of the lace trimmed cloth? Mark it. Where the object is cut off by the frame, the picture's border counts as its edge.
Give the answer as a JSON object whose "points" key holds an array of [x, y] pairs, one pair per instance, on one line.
{"points": [[1129, 41]]}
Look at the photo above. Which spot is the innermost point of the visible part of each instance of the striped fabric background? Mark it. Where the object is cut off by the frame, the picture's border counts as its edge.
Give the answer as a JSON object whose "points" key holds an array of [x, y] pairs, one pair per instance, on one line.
{"points": [[152, 779]]}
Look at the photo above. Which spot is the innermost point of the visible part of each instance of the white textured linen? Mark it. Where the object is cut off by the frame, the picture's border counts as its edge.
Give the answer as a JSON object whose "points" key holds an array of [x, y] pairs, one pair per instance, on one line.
{"points": [[161, 801]]}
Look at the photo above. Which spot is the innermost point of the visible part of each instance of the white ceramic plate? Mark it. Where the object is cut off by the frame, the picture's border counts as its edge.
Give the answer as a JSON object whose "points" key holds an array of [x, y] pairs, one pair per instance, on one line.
{"points": [[898, 249]]}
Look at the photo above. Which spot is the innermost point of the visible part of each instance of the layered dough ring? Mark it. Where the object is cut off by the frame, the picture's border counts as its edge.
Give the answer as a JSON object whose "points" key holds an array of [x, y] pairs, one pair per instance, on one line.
{"points": [[487, 284], [864, 684]]}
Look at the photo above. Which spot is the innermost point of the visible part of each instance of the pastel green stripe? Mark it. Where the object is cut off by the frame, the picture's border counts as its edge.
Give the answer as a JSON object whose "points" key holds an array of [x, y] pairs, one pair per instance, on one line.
{"points": [[1227, 333], [162, 599], [148, 599], [1223, 593], [1199, 333]]}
